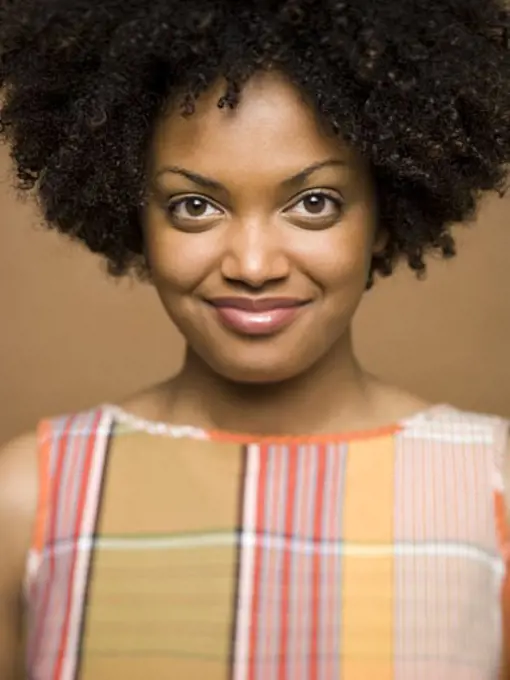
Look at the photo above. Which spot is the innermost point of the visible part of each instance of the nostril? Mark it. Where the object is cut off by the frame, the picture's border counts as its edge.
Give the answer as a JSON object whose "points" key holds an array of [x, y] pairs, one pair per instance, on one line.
{"points": [[254, 269], [250, 287]]}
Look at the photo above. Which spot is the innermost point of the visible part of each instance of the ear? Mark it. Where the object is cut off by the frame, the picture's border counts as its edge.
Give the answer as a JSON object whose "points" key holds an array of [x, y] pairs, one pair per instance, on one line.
{"points": [[378, 247], [380, 241]]}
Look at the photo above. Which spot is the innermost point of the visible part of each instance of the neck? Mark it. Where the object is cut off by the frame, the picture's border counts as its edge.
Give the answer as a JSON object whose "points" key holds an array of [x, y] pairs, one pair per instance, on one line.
{"points": [[329, 397]]}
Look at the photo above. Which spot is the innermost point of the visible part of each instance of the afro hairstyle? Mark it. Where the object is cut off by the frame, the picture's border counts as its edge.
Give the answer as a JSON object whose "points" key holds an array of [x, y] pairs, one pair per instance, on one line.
{"points": [[420, 87]]}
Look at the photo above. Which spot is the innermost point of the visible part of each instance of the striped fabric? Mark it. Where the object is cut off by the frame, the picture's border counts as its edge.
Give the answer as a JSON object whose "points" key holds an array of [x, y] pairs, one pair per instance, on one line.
{"points": [[163, 552]]}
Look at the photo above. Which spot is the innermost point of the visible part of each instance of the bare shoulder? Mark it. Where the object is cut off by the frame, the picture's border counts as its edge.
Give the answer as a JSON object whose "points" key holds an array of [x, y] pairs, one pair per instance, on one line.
{"points": [[18, 484], [18, 504]]}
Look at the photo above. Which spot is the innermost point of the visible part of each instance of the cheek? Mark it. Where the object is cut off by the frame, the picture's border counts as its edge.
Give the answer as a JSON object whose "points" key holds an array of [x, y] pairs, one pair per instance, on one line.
{"points": [[178, 261], [338, 258]]}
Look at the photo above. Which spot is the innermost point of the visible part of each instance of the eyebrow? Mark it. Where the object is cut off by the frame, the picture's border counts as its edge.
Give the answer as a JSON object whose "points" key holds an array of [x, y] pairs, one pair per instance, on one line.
{"points": [[199, 180], [301, 177], [211, 184]]}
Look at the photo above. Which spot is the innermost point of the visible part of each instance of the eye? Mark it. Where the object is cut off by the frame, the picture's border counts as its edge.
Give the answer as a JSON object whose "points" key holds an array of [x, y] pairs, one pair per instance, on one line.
{"points": [[317, 205], [192, 208]]}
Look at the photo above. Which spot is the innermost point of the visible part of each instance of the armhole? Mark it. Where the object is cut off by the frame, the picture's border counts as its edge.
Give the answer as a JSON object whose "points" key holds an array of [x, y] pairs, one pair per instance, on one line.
{"points": [[37, 544]]}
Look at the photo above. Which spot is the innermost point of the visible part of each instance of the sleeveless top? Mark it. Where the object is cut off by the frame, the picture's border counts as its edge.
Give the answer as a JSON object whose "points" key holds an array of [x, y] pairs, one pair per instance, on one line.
{"points": [[174, 553]]}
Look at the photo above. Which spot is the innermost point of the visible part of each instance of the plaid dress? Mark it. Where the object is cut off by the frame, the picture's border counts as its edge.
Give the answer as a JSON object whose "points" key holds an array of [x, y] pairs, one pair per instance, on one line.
{"points": [[165, 552]]}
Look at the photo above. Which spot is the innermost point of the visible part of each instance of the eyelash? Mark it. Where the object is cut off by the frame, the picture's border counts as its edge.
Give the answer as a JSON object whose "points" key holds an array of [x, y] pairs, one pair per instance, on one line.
{"points": [[172, 205], [334, 198]]}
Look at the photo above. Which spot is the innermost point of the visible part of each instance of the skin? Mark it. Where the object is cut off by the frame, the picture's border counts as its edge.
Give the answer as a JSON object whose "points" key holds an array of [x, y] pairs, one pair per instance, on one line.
{"points": [[254, 232], [18, 499], [254, 237]]}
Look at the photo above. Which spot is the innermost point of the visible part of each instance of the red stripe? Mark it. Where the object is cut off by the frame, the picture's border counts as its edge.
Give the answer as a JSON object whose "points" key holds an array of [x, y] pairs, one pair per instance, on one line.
{"points": [[316, 567], [259, 527], [272, 527], [287, 557], [76, 534], [50, 542]]}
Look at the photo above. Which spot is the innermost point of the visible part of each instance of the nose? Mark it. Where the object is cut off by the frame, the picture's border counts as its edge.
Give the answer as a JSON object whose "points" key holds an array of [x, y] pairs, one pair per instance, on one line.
{"points": [[254, 255]]}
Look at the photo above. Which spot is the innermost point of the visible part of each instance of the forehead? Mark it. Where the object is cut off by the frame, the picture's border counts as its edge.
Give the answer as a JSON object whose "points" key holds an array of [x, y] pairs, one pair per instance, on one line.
{"points": [[272, 124]]}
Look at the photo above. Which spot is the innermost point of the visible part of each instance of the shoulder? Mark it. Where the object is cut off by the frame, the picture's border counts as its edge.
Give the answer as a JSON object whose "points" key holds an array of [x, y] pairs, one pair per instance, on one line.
{"points": [[18, 459], [25, 471], [459, 426], [485, 434], [18, 478], [18, 502], [18, 509], [489, 430]]}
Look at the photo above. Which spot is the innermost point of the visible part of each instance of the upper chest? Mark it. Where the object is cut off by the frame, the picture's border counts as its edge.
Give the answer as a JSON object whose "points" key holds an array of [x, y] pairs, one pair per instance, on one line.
{"points": [[309, 560]]}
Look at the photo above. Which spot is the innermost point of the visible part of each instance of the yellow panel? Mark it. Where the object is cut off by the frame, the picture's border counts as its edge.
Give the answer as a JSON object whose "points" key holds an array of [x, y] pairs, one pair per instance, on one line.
{"points": [[367, 628]]}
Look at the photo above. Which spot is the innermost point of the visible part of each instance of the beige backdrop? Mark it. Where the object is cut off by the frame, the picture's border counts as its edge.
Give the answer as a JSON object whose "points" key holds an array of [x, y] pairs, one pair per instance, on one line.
{"points": [[70, 337]]}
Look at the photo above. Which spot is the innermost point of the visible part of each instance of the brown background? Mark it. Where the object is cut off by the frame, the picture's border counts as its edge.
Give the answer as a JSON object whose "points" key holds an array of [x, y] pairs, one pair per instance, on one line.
{"points": [[70, 337]]}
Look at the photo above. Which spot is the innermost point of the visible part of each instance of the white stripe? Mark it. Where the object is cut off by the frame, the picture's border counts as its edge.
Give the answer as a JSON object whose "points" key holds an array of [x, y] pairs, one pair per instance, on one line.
{"points": [[85, 543], [430, 433], [167, 542], [498, 481], [249, 541], [83, 556], [272, 607], [32, 566], [426, 549], [432, 549], [154, 427], [247, 556]]}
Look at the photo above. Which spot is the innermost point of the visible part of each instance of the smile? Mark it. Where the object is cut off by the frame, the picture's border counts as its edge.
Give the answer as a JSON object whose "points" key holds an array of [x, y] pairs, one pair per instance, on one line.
{"points": [[257, 317]]}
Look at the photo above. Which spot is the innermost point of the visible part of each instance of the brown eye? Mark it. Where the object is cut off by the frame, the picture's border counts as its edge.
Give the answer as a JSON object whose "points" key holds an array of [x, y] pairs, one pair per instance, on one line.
{"points": [[192, 208], [195, 207], [315, 203]]}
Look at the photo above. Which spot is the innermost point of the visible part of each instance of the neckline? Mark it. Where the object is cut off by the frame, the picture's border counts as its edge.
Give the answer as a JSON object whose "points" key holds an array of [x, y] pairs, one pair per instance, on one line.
{"points": [[121, 415]]}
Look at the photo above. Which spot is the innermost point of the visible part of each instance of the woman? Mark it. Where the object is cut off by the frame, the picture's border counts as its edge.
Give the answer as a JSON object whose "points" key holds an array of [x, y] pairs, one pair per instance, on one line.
{"points": [[273, 511]]}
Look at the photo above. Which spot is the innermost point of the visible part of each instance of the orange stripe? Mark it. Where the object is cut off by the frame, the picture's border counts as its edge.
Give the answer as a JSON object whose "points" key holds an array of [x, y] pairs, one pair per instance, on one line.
{"points": [[504, 544], [505, 602], [501, 522], [82, 499], [44, 437], [367, 630], [52, 504], [217, 435]]}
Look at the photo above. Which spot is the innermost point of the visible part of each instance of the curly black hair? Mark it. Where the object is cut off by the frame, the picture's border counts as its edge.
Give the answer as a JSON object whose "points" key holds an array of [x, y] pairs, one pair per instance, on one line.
{"points": [[420, 87]]}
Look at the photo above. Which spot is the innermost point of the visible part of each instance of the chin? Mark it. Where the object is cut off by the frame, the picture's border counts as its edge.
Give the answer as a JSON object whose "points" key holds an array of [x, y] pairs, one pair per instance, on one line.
{"points": [[257, 372], [246, 376]]}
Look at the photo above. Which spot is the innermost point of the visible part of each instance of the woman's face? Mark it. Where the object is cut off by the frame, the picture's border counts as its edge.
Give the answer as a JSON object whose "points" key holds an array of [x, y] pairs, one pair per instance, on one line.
{"points": [[259, 228]]}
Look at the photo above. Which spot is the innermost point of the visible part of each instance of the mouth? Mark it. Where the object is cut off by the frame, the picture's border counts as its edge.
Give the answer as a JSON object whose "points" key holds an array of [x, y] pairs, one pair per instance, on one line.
{"points": [[257, 316]]}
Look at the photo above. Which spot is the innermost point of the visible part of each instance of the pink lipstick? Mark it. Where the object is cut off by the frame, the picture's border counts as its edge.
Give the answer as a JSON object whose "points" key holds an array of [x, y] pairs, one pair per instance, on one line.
{"points": [[257, 316]]}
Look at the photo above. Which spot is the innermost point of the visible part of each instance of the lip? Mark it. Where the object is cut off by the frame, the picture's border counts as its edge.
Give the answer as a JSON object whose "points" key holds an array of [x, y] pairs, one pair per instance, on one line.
{"points": [[257, 316]]}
